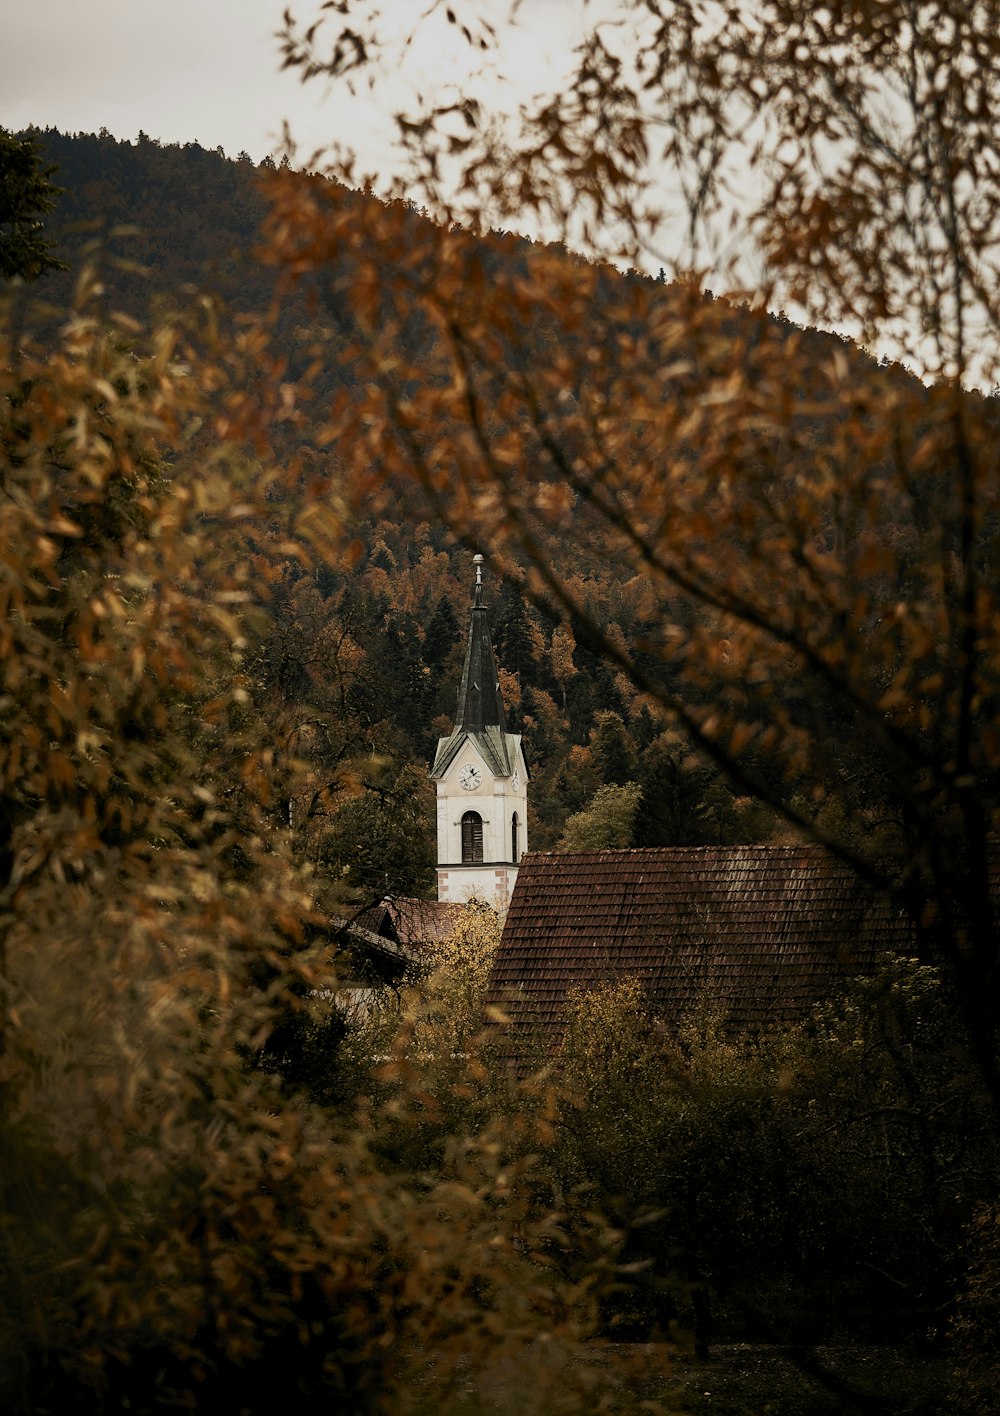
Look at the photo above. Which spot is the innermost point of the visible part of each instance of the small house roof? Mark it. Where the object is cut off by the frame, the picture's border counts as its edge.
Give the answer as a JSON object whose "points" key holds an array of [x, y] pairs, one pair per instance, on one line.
{"points": [[395, 937], [417, 923], [757, 934]]}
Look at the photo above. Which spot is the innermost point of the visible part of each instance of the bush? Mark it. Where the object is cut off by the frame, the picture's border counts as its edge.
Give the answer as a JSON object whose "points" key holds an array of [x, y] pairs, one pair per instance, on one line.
{"points": [[815, 1181]]}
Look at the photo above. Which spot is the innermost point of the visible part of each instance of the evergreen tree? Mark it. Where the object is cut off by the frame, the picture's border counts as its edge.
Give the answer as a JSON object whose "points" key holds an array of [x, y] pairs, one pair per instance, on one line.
{"points": [[26, 195], [611, 749], [442, 634], [680, 800], [512, 638]]}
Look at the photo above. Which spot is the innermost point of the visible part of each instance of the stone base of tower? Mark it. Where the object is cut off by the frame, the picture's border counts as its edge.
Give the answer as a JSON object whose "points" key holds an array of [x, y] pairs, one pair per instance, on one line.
{"points": [[493, 884]]}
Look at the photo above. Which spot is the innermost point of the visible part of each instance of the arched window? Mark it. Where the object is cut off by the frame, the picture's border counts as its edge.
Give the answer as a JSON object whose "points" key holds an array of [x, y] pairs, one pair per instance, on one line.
{"points": [[472, 838], [514, 843]]}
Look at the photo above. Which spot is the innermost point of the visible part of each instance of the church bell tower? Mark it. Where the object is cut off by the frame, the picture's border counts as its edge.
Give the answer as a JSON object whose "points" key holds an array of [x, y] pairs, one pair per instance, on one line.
{"points": [[482, 781]]}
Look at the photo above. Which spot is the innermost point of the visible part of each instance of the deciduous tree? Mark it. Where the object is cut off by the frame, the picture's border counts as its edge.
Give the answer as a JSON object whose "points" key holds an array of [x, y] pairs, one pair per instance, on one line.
{"points": [[183, 1224], [607, 823], [817, 530]]}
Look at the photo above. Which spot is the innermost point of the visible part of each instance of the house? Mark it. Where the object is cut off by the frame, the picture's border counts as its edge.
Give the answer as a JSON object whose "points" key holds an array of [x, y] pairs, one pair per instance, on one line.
{"points": [[755, 934], [482, 780], [414, 925], [393, 940]]}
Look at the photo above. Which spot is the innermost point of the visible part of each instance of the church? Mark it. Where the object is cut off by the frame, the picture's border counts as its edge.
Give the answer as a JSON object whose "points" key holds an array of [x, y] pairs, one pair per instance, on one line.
{"points": [[755, 934], [482, 781]]}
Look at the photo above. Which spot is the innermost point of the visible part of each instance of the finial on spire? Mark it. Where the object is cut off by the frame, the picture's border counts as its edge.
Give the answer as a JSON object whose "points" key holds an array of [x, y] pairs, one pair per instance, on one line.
{"points": [[477, 561]]}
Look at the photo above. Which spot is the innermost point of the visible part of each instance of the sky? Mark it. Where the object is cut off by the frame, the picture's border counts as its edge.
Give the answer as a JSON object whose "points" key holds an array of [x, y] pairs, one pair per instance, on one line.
{"points": [[208, 71]]}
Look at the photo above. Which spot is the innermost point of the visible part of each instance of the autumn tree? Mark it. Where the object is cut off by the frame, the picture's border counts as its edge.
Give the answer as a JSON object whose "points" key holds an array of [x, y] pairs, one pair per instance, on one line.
{"points": [[184, 1223], [435, 1034], [561, 655], [817, 529]]}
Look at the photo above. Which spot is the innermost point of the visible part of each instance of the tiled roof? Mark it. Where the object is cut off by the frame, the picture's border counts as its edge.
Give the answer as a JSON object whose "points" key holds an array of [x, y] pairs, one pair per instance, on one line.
{"points": [[755, 933], [408, 922], [421, 922]]}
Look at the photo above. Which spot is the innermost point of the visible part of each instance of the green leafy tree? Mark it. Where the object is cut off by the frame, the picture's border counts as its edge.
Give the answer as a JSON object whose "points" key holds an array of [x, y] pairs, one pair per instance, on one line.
{"points": [[378, 842], [608, 823]]}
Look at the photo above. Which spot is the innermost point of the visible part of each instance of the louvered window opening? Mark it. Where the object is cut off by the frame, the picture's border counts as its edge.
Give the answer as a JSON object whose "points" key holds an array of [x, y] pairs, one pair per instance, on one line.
{"points": [[472, 838], [514, 823]]}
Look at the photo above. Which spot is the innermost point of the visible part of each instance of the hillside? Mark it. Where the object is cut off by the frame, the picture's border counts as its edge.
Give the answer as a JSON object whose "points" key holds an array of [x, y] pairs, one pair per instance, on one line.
{"points": [[185, 218], [171, 221]]}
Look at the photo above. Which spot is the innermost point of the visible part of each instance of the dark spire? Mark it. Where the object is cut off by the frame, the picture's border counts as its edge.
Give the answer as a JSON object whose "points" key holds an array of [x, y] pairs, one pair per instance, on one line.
{"points": [[479, 702]]}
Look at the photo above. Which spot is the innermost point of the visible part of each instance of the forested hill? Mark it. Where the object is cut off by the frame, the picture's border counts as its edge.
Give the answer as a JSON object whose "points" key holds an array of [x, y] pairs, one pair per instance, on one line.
{"points": [[186, 216], [373, 651], [170, 219]]}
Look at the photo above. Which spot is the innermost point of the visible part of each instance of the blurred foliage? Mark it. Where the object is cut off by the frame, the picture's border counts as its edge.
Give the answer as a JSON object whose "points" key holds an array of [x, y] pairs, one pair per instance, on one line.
{"points": [[186, 1222]]}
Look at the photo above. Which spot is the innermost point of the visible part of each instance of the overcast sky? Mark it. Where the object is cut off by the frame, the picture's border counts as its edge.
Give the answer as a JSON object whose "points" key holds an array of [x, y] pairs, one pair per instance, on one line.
{"points": [[208, 71]]}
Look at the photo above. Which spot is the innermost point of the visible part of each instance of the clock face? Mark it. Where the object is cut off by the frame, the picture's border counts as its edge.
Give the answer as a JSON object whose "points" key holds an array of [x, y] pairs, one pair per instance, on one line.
{"points": [[469, 777], [515, 781]]}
